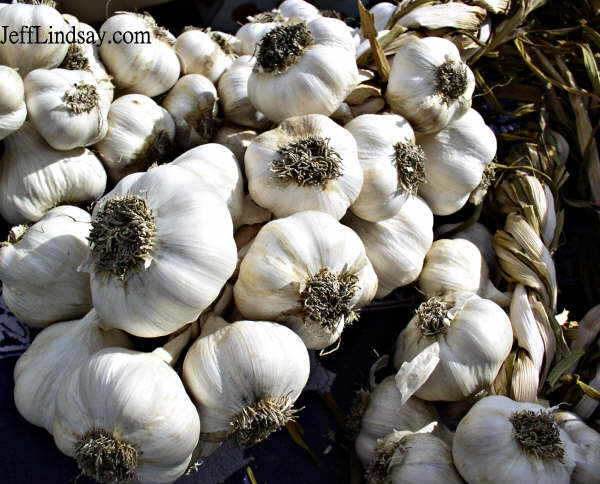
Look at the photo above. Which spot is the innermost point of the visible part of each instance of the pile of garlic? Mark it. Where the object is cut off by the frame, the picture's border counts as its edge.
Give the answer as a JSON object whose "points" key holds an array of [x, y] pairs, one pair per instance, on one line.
{"points": [[249, 194]]}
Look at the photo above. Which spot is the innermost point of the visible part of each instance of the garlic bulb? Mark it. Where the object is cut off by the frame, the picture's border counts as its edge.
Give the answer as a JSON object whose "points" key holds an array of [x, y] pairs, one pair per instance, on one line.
{"points": [[68, 108], [37, 23], [251, 33], [192, 102], [456, 265], [140, 133], [145, 62], [233, 92], [429, 84], [452, 348], [125, 415], [306, 163], [455, 160], [396, 246], [392, 164], [298, 8], [181, 251], [303, 68], [244, 379], [38, 268], [310, 273], [200, 54], [54, 353], [500, 440], [35, 177], [237, 139], [12, 101]]}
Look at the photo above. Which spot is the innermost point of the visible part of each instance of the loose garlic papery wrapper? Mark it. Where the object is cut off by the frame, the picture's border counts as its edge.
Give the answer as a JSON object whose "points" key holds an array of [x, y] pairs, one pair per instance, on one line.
{"points": [[452, 348], [199, 53], [397, 246], [391, 162], [35, 177], [140, 133], [47, 53], [68, 108], [192, 102], [500, 440], [310, 273], [244, 379], [429, 84], [456, 265], [149, 68], [38, 268], [303, 68], [54, 353], [306, 163], [163, 233], [12, 101], [455, 161]]}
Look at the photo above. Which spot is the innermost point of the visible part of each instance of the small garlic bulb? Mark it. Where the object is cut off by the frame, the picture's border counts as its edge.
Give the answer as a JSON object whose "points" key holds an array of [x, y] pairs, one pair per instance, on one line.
{"points": [[13, 110], [298, 8], [38, 268], [500, 440], [199, 53]]}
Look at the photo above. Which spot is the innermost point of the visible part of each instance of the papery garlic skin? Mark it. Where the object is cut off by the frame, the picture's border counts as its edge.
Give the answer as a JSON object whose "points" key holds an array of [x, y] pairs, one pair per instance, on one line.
{"points": [[54, 353], [68, 108], [200, 54], [329, 187], [34, 177], [13, 110], [396, 246], [419, 91], [484, 444], [135, 398], [149, 66], [39, 275], [286, 262]]}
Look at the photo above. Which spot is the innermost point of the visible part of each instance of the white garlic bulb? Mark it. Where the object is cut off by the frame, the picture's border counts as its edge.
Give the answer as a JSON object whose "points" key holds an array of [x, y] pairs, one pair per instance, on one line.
{"points": [[54, 353], [192, 102], [396, 246], [245, 378], [303, 68], [452, 348], [391, 162], [35, 177], [38, 268], [298, 8], [306, 163], [200, 54], [501, 440], [251, 33], [12, 101], [310, 273], [149, 236], [140, 133], [68, 108], [147, 62], [429, 84]]}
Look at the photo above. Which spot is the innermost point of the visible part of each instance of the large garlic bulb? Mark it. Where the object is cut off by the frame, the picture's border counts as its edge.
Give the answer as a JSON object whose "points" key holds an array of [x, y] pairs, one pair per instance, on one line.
{"points": [[162, 233], [38, 268], [452, 348], [501, 440], [200, 54], [125, 415], [68, 108], [35, 177], [306, 163], [310, 273], [303, 68], [245, 378], [12, 101], [396, 246], [54, 353], [429, 84]]}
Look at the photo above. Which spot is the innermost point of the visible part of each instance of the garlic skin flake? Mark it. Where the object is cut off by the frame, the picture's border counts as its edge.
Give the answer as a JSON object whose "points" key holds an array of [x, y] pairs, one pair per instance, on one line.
{"points": [[38, 268], [132, 409], [498, 431], [13, 110], [54, 353], [306, 163], [429, 84], [310, 273]]}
